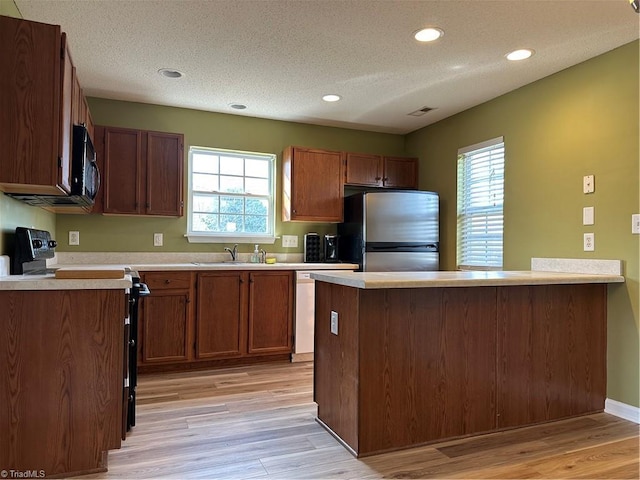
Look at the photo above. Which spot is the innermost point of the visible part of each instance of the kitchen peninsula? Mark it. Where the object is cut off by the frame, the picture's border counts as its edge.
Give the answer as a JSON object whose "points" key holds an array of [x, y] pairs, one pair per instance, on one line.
{"points": [[407, 358]]}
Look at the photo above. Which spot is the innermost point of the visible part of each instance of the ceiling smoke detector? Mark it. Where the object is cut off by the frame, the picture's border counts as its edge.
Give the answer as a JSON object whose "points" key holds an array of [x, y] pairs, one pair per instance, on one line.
{"points": [[170, 73], [420, 112]]}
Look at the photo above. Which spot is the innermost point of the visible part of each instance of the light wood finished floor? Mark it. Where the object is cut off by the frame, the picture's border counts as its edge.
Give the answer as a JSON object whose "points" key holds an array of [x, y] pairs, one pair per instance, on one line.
{"points": [[258, 422]]}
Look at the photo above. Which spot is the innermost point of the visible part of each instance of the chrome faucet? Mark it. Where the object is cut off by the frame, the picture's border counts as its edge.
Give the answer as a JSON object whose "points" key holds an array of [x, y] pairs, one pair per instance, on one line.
{"points": [[233, 252], [263, 256]]}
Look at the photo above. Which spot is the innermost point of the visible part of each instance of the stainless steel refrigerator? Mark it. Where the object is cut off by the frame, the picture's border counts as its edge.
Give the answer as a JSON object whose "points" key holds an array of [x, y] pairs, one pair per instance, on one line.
{"points": [[390, 231]]}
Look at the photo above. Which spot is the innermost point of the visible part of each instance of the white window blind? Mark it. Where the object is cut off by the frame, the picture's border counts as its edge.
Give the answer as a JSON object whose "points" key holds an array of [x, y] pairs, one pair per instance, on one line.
{"points": [[231, 196], [480, 205]]}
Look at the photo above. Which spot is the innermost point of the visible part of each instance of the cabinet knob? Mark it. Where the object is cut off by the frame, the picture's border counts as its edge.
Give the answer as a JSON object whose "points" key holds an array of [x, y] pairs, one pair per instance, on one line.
{"points": [[132, 343], [167, 281]]}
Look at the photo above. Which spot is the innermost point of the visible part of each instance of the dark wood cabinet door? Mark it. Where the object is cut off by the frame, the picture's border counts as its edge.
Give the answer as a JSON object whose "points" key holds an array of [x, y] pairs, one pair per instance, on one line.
{"points": [[400, 172], [165, 168], [221, 314], [270, 312], [122, 170], [365, 170], [30, 117], [313, 182], [165, 327]]}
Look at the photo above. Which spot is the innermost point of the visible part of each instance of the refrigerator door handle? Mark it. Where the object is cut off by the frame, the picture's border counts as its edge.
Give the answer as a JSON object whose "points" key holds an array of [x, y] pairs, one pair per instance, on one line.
{"points": [[400, 247]]}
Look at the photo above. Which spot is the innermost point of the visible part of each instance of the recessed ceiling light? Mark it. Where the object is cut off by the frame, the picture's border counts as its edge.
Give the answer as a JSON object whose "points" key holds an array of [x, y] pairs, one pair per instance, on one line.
{"points": [[170, 73], [521, 54], [331, 98], [237, 106], [428, 34]]}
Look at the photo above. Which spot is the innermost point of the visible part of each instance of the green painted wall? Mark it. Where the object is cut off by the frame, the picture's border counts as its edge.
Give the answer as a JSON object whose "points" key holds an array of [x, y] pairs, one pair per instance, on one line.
{"points": [[583, 120], [110, 233], [9, 8], [13, 213]]}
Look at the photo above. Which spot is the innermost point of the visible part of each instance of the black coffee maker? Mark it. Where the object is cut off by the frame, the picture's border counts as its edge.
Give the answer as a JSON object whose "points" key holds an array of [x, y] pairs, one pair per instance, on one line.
{"points": [[331, 248]]}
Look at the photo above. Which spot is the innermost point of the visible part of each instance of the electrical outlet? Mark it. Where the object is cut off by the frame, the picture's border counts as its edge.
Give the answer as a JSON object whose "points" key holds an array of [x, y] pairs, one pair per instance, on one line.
{"points": [[158, 239], [635, 223], [290, 241], [74, 238], [588, 185], [589, 242], [334, 322], [588, 216]]}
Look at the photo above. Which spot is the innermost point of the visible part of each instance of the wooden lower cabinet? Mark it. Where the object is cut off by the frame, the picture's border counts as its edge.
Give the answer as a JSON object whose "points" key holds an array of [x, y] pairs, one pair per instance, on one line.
{"points": [[166, 318], [61, 379], [221, 310], [237, 315], [270, 312], [417, 365]]}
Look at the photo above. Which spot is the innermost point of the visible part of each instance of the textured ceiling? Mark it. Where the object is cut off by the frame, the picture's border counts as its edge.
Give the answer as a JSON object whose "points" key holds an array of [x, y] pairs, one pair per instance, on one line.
{"points": [[279, 57]]}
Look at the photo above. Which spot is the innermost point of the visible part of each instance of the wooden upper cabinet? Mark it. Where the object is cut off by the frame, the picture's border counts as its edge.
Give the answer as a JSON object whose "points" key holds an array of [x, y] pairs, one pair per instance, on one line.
{"points": [[80, 108], [142, 171], [122, 170], [312, 185], [363, 169], [164, 174], [35, 94], [400, 172], [378, 171]]}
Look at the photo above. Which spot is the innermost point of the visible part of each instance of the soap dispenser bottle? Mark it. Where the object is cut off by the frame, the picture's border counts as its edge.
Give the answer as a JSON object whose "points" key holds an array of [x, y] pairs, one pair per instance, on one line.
{"points": [[255, 256]]}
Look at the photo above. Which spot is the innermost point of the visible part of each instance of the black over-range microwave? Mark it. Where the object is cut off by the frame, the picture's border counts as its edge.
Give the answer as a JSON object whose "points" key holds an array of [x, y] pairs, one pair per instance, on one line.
{"points": [[85, 176]]}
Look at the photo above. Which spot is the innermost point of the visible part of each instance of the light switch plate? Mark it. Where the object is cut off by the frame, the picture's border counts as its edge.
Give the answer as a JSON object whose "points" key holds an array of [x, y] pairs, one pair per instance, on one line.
{"points": [[290, 241], [158, 239], [587, 216], [588, 185], [635, 223], [589, 242]]}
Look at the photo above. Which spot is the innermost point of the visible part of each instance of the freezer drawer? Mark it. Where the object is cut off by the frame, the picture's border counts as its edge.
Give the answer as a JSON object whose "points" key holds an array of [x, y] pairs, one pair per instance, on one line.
{"points": [[400, 262]]}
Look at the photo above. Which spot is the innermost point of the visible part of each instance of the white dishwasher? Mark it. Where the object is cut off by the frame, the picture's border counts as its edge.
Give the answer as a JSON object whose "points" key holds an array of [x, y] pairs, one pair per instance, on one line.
{"points": [[305, 315]]}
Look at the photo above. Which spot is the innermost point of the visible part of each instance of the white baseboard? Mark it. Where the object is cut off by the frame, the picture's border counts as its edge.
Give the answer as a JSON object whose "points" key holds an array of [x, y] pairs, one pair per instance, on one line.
{"points": [[622, 410], [302, 357]]}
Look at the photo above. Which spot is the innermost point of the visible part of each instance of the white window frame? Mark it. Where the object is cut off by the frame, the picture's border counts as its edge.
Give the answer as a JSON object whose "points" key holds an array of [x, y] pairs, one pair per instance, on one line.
{"points": [[480, 228], [236, 237]]}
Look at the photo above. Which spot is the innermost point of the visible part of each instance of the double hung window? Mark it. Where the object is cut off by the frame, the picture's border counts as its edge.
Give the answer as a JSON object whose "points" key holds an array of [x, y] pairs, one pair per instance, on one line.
{"points": [[231, 196], [480, 203]]}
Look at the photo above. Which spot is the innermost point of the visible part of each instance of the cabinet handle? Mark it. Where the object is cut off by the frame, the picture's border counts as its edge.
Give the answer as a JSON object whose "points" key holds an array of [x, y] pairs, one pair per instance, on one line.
{"points": [[294, 211], [132, 343], [167, 281]]}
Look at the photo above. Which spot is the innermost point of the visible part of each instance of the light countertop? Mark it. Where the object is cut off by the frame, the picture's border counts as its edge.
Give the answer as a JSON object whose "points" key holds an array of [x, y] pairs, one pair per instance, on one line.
{"points": [[376, 280], [49, 282]]}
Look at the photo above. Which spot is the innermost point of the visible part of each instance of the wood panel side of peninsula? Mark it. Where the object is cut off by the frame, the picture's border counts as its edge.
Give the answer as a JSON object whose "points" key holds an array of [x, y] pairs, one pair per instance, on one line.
{"points": [[411, 366]]}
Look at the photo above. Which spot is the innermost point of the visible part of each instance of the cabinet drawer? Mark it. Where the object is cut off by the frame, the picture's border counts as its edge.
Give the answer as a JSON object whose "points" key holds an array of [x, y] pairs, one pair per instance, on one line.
{"points": [[167, 280]]}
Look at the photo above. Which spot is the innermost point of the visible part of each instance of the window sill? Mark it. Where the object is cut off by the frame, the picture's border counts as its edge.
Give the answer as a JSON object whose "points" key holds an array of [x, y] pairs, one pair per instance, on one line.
{"points": [[208, 238]]}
